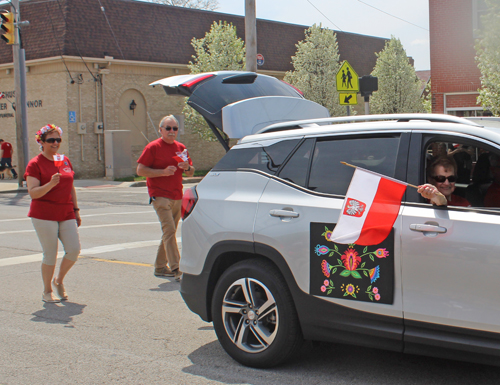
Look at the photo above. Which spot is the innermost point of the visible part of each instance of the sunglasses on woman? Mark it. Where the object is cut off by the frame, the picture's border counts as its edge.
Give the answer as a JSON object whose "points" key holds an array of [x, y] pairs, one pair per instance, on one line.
{"points": [[53, 140], [442, 178], [168, 128]]}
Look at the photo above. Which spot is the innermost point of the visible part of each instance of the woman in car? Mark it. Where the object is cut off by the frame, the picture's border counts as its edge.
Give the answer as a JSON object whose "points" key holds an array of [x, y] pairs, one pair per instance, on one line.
{"points": [[441, 177]]}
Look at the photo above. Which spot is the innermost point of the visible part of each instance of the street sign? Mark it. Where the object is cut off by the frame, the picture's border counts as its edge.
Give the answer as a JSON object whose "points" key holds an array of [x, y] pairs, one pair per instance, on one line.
{"points": [[72, 116], [260, 59], [347, 78], [348, 99]]}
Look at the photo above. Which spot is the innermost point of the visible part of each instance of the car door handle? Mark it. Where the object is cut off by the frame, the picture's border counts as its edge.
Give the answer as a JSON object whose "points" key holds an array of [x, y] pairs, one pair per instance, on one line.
{"points": [[424, 228], [283, 213]]}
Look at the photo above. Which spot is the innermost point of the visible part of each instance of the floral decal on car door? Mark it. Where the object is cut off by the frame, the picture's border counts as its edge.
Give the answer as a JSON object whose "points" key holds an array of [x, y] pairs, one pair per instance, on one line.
{"points": [[361, 273]]}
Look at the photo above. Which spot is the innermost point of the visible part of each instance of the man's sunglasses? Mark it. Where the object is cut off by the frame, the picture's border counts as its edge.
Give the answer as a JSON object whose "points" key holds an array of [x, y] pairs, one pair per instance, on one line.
{"points": [[53, 140], [168, 128], [442, 178]]}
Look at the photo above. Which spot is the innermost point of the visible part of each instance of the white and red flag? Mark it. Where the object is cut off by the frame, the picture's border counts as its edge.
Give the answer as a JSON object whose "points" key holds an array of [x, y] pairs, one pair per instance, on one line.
{"points": [[181, 156], [58, 160], [370, 209], [2, 95]]}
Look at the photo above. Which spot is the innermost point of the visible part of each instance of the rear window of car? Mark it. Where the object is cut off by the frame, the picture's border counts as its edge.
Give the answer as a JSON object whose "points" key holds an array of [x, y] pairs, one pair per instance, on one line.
{"points": [[213, 95], [263, 158], [328, 175]]}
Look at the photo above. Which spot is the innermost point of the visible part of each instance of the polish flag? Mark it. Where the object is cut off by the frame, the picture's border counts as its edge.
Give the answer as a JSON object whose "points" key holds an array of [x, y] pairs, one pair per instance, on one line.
{"points": [[2, 95], [370, 209], [58, 160], [181, 156]]}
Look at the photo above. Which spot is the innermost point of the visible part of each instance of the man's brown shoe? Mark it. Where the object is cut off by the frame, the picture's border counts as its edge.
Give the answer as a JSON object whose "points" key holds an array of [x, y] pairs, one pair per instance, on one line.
{"points": [[177, 275], [163, 272]]}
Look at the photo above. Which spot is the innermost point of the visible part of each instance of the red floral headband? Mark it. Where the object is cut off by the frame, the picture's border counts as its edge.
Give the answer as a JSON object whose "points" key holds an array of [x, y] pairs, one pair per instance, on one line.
{"points": [[46, 129]]}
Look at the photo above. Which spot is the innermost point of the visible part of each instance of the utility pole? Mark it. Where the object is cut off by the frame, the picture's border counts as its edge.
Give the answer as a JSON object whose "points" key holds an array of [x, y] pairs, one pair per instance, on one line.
{"points": [[251, 36], [18, 56]]}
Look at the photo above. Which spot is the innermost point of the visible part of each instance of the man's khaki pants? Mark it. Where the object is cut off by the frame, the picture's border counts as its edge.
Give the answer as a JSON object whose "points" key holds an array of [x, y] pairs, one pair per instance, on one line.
{"points": [[169, 213]]}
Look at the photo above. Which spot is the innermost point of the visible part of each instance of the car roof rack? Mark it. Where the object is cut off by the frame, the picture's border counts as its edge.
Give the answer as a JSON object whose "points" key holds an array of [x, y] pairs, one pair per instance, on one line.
{"points": [[297, 124]]}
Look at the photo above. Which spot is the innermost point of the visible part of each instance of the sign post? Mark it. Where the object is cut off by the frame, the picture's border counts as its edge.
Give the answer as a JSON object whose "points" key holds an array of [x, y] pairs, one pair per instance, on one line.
{"points": [[368, 84]]}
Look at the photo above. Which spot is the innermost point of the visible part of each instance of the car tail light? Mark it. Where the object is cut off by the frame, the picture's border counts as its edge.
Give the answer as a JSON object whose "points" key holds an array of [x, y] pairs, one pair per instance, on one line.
{"points": [[189, 200], [190, 84], [295, 88]]}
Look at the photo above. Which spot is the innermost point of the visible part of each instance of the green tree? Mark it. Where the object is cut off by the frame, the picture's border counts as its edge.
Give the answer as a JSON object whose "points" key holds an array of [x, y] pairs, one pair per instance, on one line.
{"points": [[398, 85], [220, 49], [427, 98], [316, 64], [488, 58], [210, 5]]}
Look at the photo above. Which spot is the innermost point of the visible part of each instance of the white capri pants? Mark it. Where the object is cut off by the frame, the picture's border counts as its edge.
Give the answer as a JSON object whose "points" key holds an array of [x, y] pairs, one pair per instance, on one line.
{"points": [[50, 231]]}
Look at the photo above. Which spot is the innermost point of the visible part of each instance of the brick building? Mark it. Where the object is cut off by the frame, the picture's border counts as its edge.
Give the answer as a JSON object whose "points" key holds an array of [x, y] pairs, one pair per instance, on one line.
{"points": [[86, 64], [454, 72]]}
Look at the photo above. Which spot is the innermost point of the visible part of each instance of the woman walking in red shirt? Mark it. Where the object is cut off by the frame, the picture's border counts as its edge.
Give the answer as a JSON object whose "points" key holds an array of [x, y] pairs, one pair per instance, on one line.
{"points": [[54, 209]]}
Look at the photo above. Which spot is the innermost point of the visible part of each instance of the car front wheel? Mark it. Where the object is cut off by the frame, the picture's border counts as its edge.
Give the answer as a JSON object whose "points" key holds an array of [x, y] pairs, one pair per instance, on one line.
{"points": [[254, 315]]}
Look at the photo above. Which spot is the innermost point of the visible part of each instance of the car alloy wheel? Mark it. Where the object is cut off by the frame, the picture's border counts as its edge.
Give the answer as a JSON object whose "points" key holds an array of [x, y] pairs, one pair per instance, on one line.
{"points": [[250, 315]]}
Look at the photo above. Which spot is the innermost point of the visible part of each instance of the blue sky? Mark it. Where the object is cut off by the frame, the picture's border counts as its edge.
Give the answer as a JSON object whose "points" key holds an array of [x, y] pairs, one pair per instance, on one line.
{"points": [[406, 20]]}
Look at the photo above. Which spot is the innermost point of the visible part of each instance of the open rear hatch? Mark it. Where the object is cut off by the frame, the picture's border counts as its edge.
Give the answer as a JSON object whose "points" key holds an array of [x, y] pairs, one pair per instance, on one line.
{"points": [[241, 103]]}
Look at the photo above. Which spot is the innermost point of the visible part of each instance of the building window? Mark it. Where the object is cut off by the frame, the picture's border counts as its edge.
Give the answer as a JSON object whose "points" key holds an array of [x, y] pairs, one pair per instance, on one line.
{"points": [[479, 8]]}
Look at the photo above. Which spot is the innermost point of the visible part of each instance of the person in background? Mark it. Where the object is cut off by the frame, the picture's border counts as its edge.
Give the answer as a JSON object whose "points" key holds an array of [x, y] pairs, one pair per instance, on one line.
{"points": [[160, 164], [441, 177], [492, 197], [463, 158], [6, 153], [54, 209]]}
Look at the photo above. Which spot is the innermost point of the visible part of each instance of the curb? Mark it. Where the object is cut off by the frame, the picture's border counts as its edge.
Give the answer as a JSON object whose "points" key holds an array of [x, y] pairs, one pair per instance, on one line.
{"points": [[142, 183]]}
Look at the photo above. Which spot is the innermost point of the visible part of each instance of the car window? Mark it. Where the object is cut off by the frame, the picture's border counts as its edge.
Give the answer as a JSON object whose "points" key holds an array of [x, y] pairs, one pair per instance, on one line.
{"points": [[477, 171], [295, 170], [328, 175], [210, 97], [266, 158]]}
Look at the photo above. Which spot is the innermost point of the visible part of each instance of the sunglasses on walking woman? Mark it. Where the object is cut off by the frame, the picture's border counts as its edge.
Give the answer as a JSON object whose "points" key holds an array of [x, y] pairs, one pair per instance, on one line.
{"points": [[53, 140]]}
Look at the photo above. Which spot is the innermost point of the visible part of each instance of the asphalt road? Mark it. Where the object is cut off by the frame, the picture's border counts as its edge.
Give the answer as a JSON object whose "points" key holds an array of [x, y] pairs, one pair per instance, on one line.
{"points": [[122, 325]]}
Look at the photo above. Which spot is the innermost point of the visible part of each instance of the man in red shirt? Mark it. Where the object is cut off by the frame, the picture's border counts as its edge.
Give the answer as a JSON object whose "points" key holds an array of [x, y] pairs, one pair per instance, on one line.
{"points": [[6, 152], [162, 167]]}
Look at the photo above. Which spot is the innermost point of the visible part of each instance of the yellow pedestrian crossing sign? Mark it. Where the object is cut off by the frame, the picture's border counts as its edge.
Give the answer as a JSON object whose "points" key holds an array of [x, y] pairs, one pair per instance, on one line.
{"points": [[348, 99], [347, 79]]}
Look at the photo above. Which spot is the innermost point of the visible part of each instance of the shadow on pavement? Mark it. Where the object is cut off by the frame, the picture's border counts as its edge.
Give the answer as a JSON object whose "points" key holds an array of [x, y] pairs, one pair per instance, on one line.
{"points": [[58, 313], [170, 284], [326, 363]]}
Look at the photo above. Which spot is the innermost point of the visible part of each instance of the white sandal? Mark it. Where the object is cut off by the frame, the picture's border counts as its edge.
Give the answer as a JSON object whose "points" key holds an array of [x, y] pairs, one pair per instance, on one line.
{"points": [[60, 290], [49, 298]]}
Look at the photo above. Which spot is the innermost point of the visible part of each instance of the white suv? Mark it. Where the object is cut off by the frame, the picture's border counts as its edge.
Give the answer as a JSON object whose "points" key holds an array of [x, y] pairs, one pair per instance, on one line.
{"points": [[259, 263]]}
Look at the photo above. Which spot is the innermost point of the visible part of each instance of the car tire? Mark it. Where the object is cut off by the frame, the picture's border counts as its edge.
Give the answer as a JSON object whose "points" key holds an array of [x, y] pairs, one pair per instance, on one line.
{"points": [[254, 315]]}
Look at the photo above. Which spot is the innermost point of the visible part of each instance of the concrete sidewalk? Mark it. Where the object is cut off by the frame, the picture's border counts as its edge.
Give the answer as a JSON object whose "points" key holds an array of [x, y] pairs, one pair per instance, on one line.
{"points": [[12, 185]]}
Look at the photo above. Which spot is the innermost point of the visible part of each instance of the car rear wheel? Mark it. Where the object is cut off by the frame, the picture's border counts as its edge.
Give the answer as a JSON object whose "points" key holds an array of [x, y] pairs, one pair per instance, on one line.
{"points": [[254, 315]]}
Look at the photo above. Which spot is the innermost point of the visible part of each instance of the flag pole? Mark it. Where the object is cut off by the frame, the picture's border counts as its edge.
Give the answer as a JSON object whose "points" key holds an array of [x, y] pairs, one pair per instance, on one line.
{"points": [[353, 166]]}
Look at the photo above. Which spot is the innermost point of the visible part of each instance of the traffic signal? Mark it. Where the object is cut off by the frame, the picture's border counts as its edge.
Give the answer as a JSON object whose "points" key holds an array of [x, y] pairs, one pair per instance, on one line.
{"points": [[8, 31]]}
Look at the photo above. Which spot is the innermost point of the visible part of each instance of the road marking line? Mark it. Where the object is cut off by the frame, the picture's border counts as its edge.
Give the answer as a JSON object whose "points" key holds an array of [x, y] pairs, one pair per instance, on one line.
{"points": [[87, 215], [121, 262], [86, 227], [85, 252]]}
